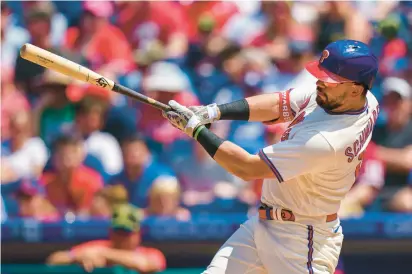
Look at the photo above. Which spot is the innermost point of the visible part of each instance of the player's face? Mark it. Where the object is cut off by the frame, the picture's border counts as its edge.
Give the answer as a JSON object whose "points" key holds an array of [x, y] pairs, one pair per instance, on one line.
{"points": [[331, 96]]}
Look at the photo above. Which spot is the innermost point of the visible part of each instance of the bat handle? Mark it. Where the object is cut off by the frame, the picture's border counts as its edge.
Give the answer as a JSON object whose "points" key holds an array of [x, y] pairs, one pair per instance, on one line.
{"points": [[140, 97], [143, 98]]}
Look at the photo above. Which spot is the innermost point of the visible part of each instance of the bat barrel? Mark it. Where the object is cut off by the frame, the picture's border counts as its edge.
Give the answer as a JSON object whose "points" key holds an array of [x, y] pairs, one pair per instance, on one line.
{"points": [[57, 63], [60, 64]]}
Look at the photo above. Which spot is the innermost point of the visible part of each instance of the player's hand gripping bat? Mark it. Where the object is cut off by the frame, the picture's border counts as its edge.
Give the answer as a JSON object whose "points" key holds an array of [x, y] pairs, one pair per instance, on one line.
{"points": [[55, 62]]}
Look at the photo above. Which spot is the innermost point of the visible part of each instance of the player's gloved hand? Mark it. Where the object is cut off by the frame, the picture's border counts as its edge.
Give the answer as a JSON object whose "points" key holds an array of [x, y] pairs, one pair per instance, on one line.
{"points": [[206, 114], [182, 118]]}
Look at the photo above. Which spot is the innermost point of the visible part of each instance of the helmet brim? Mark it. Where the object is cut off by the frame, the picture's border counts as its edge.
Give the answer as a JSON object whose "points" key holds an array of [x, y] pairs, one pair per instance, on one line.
{"points": [[324, 75]]}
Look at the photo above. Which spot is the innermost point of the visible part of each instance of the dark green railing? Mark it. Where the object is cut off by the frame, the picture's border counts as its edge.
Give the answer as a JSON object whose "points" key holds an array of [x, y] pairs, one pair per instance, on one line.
{"points": [[74, 269]]}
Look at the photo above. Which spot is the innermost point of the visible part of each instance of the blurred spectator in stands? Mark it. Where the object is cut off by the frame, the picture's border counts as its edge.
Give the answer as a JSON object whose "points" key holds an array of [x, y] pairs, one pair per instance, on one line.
{"points": [[106, 199], [102, 46], [274, 24], [394, 139], [202, 63], [122, 248], [390, 46], [94, 99], [53, 112], [165, 199], [261, 73], [58, 20], [70, 186], [12, 100], [402, 200], [119, 119], [89, 120], [369, 183], [140, 170], [22, 155], [163, 81], [213, 13], [32, 202], [38, 22], [291, 68], [234, 65], [341, 20], [12, 37], [242, 27], [405, 11], [375, 11], [144, 22], [198, 174], [273, 36]]}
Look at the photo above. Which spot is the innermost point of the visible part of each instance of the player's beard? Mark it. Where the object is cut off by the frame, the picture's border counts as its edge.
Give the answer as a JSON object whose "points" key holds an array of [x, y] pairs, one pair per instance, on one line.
{"points": [[325, 102]]}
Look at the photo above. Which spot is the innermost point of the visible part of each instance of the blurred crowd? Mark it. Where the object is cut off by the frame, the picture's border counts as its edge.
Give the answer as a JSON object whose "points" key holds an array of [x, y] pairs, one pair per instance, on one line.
{"points": [[71, 149]]}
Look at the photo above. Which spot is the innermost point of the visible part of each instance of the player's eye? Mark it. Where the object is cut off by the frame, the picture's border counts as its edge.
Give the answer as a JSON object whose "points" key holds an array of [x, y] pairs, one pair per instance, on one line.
{"points": [[331, 85]]}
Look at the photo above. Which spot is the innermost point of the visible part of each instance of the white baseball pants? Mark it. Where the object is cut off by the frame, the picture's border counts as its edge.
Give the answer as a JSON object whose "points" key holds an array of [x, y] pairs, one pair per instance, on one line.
{"points": [[279, 247]]}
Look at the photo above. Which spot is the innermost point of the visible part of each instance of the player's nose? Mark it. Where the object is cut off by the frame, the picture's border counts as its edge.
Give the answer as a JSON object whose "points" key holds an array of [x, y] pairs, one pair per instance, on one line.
{"points": [[320, 84]]}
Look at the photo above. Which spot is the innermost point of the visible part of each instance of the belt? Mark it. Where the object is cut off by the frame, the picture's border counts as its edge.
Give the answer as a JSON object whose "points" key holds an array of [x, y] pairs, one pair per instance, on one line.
{"points": [[269, 213]]}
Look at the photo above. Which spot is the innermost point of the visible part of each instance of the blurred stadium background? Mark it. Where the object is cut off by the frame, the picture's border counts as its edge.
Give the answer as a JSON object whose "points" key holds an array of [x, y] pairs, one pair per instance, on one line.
{"points": [[70, 152]]}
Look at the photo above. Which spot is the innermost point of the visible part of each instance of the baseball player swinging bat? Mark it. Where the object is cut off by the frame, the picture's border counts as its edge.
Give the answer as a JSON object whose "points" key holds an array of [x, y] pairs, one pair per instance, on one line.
{"points": [[307, 174], [55, 62]]}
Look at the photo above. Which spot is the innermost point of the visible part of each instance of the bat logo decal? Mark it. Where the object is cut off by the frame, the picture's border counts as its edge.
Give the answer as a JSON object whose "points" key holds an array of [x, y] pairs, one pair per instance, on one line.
{"points": [[101, 82]]}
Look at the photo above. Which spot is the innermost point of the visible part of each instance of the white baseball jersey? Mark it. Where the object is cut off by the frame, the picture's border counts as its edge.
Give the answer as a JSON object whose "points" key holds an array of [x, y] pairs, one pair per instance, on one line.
{"points": [[320, 153]]}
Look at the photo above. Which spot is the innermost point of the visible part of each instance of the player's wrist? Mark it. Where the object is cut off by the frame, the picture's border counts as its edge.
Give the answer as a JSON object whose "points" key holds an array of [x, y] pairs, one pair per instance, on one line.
{"points": [[237, 110], [197, 130], [209, 141], [213, 112]]}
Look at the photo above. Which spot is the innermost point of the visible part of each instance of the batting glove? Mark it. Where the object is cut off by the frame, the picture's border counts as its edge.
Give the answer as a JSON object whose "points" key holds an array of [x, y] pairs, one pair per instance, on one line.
{"points": [[182, 118], [206, 114]]}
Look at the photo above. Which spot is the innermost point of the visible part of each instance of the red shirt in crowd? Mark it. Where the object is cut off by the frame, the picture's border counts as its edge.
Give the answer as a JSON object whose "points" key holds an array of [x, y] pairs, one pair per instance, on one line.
{"points": [[372, 170], [144, 22], [107, 45], [219, 11], [152, 254], [77, 194]]}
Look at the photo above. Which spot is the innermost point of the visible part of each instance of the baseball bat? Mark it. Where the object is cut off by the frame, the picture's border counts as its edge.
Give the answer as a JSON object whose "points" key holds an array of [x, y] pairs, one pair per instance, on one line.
{"points": [[57, 63]]}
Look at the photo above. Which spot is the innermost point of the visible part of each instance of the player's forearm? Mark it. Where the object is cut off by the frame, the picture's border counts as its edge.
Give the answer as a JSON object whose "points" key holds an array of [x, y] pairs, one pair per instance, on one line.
{"points": [[257, 108]]}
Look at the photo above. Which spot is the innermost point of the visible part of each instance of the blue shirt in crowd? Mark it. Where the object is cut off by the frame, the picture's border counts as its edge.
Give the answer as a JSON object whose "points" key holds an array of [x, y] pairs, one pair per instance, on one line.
{"points": [[139, 188]]}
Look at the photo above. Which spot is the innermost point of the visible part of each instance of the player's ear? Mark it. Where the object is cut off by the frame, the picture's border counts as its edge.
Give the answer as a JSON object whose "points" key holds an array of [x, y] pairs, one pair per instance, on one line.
{"points": [[357, 89]]}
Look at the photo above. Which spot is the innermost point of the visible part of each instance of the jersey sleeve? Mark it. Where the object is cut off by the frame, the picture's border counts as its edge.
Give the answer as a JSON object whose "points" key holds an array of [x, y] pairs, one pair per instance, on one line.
{"points": [[304, 154], [291, 102], [299, 98]]}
